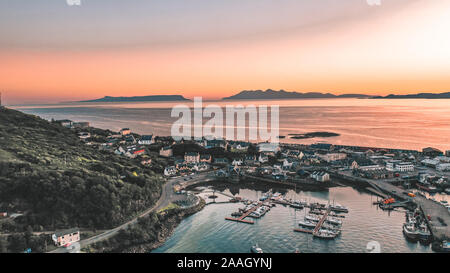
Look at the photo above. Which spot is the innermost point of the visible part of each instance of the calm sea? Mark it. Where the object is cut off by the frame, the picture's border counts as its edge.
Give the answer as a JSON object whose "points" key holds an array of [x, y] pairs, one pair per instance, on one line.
{"points": [[407, 124], [208, 232]]}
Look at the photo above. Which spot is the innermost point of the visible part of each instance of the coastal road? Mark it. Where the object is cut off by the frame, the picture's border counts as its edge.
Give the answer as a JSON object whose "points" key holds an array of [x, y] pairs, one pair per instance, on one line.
{"points": [[167, 196]]}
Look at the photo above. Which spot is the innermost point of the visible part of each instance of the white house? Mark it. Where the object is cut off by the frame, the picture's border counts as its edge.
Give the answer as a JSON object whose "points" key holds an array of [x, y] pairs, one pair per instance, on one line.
{"points": [[320, 176], [170, 171], [268, 148], [146, 140], [332, 156], [399, 166], [263, 158], [66, 237], [166, 151], [192, 157], [237, 162]]}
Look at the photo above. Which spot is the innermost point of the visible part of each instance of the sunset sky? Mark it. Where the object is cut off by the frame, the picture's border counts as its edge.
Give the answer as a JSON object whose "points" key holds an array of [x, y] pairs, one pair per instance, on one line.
{"points": [[51, 52]]}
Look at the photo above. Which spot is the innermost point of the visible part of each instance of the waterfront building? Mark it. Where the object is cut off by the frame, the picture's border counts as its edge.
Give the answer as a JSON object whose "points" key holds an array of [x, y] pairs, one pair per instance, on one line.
{"points": [[443, 167], [237, 162], [84, 135], [192, 157], [134, 152], [221, 161], [320, 176], [170, 171], [268, 148], [146, 140], [215, 143], [67, 236], [125, 131], [263, 158], [238, 146], [329, 157], [81, 125], [206, 158], [166, 151], [431, 152], [200, 167], [130, 139], [430, 162], [399, 166], [65, 123]]}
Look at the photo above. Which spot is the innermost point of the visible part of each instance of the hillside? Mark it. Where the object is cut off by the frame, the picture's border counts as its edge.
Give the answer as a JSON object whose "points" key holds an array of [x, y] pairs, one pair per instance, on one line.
{"points": [[57, 181], [417, 96], [139, 98], [282, 94]]}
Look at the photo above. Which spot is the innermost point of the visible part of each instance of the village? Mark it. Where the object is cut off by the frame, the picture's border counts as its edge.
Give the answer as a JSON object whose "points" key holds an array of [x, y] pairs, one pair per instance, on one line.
{"points": [[318, 165]]}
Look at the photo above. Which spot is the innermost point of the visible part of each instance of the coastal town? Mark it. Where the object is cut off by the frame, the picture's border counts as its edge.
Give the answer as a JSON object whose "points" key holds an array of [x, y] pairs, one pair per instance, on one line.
{"points": [[401, 178]]}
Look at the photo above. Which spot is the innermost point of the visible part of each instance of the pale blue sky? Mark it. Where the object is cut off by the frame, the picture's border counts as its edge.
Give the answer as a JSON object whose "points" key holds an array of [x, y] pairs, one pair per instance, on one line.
{"points": [[115, 23]]}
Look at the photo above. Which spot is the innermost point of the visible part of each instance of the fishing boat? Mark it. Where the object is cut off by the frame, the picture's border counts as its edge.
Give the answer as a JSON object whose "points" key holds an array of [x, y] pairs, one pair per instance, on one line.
{"points": [[256, 249], [410, 232], [424, 234]]}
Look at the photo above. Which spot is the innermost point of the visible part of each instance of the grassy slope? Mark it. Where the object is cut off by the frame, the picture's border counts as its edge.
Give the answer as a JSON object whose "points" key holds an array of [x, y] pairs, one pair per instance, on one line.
{"points": [[47, 172]]}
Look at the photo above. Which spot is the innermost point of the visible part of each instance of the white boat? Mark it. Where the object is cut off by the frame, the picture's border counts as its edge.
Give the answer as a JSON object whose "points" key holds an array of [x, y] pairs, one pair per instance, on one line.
{"points": [[333, 220], [296, 205], [325, 234], [313, 218], [307, 223], [256, 249], [338, 208]]}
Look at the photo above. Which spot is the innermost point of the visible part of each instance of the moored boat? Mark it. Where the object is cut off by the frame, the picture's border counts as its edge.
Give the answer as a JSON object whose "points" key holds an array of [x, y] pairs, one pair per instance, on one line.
{"points": [[325, 234], [338, 208], [306, 223], [410, 232], [256, 249]]}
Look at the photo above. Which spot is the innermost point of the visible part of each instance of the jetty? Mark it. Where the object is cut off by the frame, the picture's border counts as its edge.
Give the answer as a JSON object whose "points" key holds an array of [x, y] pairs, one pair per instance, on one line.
{"points": [[437, 216], [245, 215], [322, 220]]}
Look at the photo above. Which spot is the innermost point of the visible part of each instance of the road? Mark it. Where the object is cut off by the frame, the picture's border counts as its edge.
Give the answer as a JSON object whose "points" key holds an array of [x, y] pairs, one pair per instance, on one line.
{"points": [[167, 196]]}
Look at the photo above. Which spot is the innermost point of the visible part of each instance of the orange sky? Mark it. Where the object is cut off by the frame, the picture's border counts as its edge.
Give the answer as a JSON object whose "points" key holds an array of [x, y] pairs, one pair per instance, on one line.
{"points": [[405, 50]]}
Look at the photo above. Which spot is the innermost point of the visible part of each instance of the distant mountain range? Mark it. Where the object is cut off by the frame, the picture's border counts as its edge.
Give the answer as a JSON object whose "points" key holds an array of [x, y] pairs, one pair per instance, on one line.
{"points": [[416, 96], [140, 98], [282, 94]]}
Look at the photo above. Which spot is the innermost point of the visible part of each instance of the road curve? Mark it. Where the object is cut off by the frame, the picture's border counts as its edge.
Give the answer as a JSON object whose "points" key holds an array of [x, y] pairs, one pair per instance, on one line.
{"points": [[167, 196]]}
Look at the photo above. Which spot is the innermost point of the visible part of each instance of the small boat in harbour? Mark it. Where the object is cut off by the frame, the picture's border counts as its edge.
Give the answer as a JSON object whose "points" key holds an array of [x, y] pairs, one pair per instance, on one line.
{"points": [[424, 234], [410, 232], [338, 208], [325, 234], [296, 205], [306, 223], [256, 249]]}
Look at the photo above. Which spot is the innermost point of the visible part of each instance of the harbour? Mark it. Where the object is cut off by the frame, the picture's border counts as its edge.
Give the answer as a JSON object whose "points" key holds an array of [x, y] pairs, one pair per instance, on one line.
{"points": [[278, 231]]}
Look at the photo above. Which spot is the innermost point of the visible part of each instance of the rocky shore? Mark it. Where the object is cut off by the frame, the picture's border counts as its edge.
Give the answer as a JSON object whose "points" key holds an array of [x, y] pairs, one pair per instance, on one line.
{"points": [[157, 233]]}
